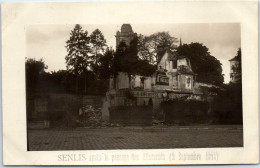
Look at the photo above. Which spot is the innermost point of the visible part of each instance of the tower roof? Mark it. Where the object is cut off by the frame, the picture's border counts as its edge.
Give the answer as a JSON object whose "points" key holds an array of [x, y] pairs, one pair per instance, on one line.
{"points": [[180, 42], [236, 58], [126, 28]]}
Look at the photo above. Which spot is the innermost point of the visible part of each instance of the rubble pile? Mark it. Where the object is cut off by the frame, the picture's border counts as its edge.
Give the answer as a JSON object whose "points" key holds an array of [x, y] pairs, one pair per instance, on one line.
{"points": [[89, 116]]}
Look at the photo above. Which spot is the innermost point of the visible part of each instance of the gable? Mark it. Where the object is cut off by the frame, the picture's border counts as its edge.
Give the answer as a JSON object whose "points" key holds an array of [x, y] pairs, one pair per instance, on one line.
{"points": [[163, 61], [160, 55]]}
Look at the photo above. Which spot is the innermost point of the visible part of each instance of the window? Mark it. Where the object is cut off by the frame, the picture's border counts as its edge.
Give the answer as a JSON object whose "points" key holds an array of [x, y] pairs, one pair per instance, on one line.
{"points": [[142, 82], [162, 79], [174, 64], [188, 82]]}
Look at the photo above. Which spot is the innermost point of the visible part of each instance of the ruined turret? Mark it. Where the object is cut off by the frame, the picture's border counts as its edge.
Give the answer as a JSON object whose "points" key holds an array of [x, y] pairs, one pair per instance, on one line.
{"points": [[125, 35]]}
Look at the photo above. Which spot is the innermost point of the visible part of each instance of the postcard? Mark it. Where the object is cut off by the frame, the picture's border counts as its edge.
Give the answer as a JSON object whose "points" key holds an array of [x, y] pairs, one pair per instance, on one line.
{"points": [[130, 83]]}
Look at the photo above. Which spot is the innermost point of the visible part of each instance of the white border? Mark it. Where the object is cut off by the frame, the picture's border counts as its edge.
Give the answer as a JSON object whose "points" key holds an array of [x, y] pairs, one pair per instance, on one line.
{"points": [[15, 17]]}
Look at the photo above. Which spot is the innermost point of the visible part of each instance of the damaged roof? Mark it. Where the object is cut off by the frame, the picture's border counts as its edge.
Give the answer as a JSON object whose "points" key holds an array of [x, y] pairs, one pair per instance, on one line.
{"points": [[184, 70], [171, 55]]}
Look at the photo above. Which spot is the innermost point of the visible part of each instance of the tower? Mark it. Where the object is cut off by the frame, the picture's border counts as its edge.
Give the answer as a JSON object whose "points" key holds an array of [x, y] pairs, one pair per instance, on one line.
{"points": [[180, 42], [125, 35], [235, 69]]}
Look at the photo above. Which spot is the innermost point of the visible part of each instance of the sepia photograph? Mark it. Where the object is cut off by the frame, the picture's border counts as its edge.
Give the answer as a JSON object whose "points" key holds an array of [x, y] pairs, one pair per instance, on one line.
{"points": [[130, 83], [133, 86]]}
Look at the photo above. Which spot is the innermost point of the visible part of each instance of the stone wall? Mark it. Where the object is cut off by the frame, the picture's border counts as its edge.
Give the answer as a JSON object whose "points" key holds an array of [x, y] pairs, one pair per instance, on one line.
{"points": [[56, 106], [186, 112], [132, 115], [182, 82], [122, 80]]}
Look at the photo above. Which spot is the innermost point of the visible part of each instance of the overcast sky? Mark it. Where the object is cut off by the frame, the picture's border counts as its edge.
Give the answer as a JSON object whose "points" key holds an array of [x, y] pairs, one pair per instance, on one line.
{"points": [[48, 41]]}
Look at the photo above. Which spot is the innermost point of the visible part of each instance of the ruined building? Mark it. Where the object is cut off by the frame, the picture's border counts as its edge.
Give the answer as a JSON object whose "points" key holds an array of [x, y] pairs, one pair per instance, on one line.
{"points": [[125, 35], [138, 98], [235, 69]]}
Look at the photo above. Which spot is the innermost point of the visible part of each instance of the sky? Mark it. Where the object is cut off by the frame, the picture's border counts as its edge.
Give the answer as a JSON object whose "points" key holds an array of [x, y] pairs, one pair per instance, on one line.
{"points": [[48, 41]]}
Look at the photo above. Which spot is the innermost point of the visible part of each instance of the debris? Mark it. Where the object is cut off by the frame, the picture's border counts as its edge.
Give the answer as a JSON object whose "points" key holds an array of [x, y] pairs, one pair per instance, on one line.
{"points": [[89, 116]]}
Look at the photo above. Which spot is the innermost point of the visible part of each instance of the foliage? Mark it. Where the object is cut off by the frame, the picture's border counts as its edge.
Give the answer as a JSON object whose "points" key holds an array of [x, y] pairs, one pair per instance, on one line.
{"points": [[34, 69], [126, 60], [64, 81], [63, 78], [206, 66], [78, 49], [129, 59], [143, 68], [149, 46], [106, 64], [118, 61], [145, 53], [80, 76], [98, 44], [78, 57], [87, 77], [228, 104]]}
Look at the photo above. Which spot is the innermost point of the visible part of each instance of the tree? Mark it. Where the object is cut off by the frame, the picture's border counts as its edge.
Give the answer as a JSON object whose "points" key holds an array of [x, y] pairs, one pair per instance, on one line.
{"points": [[33, 69], [149, 46], [145, 53], [78, 48], [118, 58], [126, 57], [64, 79], [126, 60], [206, 66], [130, 57], [144, 68], [98, 44], [106, 64]]}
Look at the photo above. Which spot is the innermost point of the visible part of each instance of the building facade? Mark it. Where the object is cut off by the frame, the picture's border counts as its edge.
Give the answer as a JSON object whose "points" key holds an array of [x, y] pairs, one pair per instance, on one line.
{"points": [[235, 69], [173, 79], [174, 72]]}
